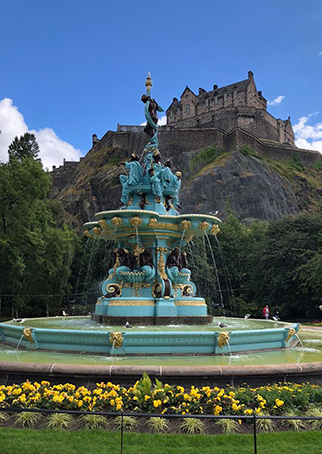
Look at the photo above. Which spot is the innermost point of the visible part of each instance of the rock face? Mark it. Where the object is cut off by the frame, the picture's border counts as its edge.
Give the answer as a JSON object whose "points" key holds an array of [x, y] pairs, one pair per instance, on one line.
{"points": [[244, 187], [261, 181]]}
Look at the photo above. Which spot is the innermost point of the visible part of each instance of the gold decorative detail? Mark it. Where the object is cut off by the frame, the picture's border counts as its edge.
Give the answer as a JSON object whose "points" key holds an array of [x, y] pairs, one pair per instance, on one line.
{"points": [[130, 201], [98, 301], [114, 289], [137, 250], [157, 199], [86, 233], [291, 333], [135, 221], [161, 264], [189, 303], [97, 230], [203, 225], [103, 224], [214, 230], [156, 290], [138, 285], [166, 226], [185, 224], [116, 339], [131, 303], [27, 332], [148, 83], [223, 339], [117, 221], [153, 222]]}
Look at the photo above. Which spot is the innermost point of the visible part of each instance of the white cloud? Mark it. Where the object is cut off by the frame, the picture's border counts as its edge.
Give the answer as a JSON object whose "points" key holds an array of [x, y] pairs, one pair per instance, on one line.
{"points": [[161, 122], [320, 54], [52, 149], [308, 136], [276, 101]]}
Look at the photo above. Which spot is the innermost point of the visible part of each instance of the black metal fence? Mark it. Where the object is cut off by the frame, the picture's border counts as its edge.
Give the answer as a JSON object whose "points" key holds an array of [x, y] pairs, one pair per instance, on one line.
{"points": [[253, 418]]}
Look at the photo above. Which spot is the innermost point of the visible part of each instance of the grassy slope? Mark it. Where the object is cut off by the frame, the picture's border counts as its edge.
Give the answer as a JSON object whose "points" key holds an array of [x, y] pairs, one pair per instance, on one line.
{"points": [[18, 441], [305, 181]]}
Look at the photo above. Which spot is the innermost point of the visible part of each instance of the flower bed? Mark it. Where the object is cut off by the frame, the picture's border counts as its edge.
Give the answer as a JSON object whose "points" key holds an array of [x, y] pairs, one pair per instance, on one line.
{"points": [[145, 397]]}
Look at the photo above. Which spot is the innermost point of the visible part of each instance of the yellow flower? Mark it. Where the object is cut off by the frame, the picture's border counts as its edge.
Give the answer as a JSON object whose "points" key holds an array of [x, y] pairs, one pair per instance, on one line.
{"points": [[147, 398], [218, 409], [279, 402], [157, 403], [248, 411]]}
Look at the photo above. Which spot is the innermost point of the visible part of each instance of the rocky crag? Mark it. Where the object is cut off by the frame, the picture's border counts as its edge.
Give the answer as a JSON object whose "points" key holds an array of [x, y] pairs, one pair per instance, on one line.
{"points": [[231, 172]]}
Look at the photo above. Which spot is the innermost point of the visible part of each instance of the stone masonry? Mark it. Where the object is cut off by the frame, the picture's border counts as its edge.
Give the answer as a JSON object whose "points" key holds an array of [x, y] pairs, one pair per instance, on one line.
{"points": [[237, 105]]}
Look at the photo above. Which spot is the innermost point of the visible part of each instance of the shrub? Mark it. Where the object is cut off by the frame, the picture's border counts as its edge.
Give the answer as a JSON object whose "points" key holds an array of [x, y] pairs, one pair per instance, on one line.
{"points": [[129, 423], [314, 424], [93, 422], [3, 417], [228, 426], [27, 419], [59, 421], [265, 425], [158, 425], [192, 426], [294, 424]]}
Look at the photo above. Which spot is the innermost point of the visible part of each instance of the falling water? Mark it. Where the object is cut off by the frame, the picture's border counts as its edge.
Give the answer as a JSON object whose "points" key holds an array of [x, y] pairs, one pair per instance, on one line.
{"points": [[298, 338], [81, 266], [217, 275], [226, 274], [182, 239], [112, 349], [89, 270], [137, 235], [18, 345]]}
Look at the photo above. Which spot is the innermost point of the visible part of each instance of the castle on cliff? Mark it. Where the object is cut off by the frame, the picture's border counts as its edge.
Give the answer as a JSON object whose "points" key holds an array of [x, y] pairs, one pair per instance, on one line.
{"points": [[235, 105]]}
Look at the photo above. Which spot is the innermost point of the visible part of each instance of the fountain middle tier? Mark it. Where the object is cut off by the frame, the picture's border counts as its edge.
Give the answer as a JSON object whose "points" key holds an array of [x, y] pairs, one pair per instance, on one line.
{"points": [[150, 281]]}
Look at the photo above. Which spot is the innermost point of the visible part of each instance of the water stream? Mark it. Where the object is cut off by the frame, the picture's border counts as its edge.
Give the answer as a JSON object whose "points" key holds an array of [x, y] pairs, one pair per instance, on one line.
{"points": [[230, 291], [18, 345], [216, 272], [81, 266]]}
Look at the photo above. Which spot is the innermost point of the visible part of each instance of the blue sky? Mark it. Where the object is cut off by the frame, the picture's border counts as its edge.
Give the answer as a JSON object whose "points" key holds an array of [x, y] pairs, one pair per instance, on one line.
{"points": [[71, 69]]}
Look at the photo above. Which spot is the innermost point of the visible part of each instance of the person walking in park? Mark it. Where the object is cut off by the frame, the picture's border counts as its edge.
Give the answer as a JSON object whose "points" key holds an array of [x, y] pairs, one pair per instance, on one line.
{"points": [[266, 312]]}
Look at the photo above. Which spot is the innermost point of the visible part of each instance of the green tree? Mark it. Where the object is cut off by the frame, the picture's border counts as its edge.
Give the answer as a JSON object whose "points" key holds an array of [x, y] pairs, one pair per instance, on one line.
{"points": [[24, 147], [36, 245]]}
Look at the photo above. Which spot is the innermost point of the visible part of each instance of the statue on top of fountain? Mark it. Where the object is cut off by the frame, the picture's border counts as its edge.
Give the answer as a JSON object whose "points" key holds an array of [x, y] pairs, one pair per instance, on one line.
{"points": [[150, 175]]}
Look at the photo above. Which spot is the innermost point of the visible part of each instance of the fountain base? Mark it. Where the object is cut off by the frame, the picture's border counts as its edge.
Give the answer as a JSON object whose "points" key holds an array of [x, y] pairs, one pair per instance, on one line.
{"points": [[157, 320]]}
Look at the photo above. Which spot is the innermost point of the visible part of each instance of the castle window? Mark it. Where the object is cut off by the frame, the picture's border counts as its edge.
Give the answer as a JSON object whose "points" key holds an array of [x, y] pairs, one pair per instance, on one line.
{"points": [[216, 99], [178, 112], [171, 114], [207, 102], [235, 94], [187, 108], [225, 96]]}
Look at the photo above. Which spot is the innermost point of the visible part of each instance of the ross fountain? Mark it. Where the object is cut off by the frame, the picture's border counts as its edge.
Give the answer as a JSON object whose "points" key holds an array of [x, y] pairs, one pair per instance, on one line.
{"points": [[150, 282], [149, 286]]}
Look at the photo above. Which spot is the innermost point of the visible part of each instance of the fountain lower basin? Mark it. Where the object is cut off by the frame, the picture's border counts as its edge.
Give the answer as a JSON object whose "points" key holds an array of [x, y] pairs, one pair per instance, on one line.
{"points": [[118, 341]]}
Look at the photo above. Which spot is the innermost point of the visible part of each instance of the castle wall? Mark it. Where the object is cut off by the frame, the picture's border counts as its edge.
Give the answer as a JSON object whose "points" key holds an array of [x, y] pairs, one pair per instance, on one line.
{"points": [[257, 121]]}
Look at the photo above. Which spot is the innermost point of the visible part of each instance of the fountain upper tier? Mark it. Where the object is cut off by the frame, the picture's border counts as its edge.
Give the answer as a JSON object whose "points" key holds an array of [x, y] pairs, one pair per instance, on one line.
{"points": [[125, 225]]}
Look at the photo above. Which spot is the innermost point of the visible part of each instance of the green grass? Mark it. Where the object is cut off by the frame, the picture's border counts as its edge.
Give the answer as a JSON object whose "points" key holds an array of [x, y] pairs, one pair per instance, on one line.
{"points": [[18, 441]]}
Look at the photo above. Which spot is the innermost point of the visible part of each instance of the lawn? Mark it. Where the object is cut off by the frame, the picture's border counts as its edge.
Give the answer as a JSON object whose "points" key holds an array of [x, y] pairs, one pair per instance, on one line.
{"points": [[20, 441]]}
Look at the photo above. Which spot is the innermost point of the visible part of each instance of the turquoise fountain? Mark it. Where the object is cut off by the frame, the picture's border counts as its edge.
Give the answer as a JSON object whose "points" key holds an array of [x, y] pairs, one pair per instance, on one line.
{"points": [[150, 281]]}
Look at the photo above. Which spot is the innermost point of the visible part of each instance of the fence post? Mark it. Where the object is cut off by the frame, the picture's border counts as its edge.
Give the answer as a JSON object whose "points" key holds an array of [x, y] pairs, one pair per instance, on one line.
{"points": [[255, 435], [122, 433]]}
